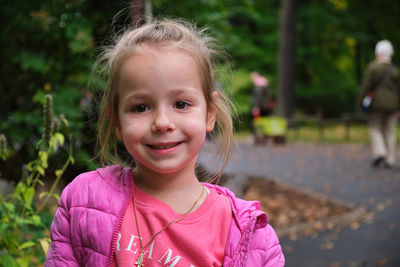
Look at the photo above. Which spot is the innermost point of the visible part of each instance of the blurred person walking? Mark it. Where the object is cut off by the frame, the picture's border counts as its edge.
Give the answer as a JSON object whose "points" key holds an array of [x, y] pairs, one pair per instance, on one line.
{"points": [[260, 104], [382, 82]]}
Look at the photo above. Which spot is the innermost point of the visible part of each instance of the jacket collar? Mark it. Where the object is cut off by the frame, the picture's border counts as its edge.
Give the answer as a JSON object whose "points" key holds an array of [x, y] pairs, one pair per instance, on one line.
{"points": [[120, 178], [243, 211], [117, 176]]}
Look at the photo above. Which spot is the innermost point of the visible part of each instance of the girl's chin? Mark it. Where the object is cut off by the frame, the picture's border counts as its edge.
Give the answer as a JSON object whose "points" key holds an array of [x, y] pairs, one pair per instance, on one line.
{"points": [[163, 168]]}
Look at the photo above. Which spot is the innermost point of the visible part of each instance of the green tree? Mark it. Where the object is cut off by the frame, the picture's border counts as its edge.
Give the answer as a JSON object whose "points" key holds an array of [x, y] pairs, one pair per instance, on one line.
{"points": [[48, 47]]}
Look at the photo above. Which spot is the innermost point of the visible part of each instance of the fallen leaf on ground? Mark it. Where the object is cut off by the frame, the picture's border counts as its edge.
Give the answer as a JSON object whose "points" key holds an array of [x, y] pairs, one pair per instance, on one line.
{"points": [[381, 262], [288, 207]]}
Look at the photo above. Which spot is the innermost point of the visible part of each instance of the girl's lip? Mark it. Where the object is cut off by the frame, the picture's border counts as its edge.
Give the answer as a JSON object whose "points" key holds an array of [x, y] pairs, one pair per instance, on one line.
{"points": [[161, 146]]}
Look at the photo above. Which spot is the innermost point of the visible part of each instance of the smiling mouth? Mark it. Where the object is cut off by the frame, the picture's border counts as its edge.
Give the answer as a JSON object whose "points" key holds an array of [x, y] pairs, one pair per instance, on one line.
{"points": [[164, 146]]}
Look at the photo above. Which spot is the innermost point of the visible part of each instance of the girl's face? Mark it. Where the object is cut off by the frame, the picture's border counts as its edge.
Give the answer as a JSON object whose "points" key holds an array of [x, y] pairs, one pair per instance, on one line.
{"points": [[163, 116]]}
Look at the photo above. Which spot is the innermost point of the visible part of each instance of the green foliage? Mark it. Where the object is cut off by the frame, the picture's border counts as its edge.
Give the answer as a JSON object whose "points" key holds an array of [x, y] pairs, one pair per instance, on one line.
{"points": [[3, 147], [335, 40], [247, 29], [48, 47], [23, 232], [241, 89]]}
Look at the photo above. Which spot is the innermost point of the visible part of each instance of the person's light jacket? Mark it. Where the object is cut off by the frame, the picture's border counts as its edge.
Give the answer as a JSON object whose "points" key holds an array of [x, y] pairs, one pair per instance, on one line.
{"points": [[91, 211]]}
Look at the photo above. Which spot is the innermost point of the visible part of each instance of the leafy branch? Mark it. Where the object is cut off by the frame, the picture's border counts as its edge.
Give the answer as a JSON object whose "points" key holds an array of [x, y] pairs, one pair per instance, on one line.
{"points": [[23, 235]]}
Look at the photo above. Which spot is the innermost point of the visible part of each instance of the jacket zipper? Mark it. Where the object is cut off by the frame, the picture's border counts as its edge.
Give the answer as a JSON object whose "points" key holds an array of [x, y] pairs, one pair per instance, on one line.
{"points": [[118, 227]]}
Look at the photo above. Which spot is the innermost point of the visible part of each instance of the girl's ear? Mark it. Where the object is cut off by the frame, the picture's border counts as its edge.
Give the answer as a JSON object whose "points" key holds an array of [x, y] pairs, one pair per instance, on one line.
{"points": [[212, 114]]}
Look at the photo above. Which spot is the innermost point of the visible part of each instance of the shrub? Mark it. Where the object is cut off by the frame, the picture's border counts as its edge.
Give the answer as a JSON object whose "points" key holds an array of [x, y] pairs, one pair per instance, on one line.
{"points": [[24, 222]]}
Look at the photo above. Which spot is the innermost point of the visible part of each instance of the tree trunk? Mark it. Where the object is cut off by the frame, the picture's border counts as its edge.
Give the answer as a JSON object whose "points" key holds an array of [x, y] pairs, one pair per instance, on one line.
{"points": [[140, 12], [359, 71], [286, 60]]}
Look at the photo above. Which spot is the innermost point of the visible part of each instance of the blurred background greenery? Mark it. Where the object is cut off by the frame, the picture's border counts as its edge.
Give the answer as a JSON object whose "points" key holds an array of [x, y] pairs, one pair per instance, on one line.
{"points": [[49, 46]]}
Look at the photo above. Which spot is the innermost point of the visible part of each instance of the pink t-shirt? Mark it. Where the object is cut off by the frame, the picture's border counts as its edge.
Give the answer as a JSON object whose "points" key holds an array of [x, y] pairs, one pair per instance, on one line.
{"points": [[198, 240]]}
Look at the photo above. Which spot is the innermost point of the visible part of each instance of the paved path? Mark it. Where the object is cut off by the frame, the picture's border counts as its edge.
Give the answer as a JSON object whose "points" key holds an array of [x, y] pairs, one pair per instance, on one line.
{"points": [[341, 171]]}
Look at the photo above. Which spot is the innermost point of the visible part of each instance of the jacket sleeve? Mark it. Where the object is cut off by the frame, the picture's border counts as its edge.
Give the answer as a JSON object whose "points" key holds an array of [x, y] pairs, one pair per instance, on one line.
{"points": [[60, 251], [366, 84], [398, 85], [273, 252]]}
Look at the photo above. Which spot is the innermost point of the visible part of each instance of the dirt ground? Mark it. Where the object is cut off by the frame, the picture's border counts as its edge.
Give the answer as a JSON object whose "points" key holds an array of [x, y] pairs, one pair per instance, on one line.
{"points": [[287, 207]]}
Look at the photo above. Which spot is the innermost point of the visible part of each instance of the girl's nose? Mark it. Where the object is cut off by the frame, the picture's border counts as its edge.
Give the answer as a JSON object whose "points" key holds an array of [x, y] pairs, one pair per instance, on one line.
{"points": [[162, 122]]}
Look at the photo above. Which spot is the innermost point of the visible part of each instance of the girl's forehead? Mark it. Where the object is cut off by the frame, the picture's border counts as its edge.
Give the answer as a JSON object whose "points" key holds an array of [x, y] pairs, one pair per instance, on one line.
{"points": [[166, 67], [156, 59], [159, 49]]}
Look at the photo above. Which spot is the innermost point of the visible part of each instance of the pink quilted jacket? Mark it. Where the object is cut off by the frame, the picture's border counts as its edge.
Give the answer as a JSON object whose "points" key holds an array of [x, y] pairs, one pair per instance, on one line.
{"points": [[92, 207]]}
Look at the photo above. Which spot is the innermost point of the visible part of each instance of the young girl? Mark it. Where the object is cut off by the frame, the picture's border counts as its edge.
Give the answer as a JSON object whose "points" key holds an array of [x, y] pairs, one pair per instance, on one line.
{"points": [[160, 101]]}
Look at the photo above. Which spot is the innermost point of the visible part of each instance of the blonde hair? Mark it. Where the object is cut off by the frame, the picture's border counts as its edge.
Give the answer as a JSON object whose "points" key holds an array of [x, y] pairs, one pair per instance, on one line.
{"points": [[179, 34]]}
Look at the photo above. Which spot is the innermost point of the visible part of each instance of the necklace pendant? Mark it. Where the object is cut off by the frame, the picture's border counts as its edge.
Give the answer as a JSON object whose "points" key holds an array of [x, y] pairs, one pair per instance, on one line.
{"points": [[139, 261]]}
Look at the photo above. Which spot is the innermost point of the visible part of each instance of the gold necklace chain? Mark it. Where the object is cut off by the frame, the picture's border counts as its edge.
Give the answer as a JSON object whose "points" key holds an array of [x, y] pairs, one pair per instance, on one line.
{"points": [[139, 261]]}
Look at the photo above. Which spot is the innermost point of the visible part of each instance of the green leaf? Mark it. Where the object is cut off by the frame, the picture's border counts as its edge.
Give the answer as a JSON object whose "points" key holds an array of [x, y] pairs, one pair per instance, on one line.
{"points": [[39, 143], [40, 170], [30, 166], [28, 196], [57, 140], [20, 221], [10, 207], [20, 188], [31, 61], [7, 260], [60, 138], [79, 36], [36, 219], [26, 244], [64, 120], [58, 173], [39, 97], [24, 262], [45, 243], [43, 157], [56, 196], [3, 227], [43, 194]]}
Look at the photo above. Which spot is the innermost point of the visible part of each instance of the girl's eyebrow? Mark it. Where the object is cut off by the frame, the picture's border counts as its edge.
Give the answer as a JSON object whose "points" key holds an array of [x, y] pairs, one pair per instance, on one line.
{"points": [[137, 94], [143, 93], [185, 90]]}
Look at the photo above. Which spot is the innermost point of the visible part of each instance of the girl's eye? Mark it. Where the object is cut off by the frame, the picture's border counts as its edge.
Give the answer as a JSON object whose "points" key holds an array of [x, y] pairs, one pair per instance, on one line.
{"points": [[181, 105], [140, 108]]}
